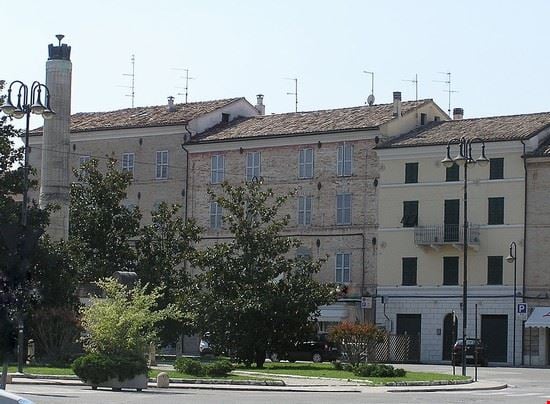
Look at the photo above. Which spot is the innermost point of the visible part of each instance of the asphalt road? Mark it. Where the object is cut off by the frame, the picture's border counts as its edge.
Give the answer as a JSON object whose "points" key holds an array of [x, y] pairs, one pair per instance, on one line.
{"points": [[527, 386]]}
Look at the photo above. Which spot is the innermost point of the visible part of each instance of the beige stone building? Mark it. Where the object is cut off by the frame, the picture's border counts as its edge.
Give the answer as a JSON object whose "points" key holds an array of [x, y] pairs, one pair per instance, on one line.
{"points": [[328, 158], [420, 237], [146, 141], [537, 258]]}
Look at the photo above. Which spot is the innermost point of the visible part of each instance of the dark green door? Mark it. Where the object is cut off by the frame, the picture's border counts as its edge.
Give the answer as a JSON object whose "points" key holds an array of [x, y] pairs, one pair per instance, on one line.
{"points": [[451, 219], [494, 334]]}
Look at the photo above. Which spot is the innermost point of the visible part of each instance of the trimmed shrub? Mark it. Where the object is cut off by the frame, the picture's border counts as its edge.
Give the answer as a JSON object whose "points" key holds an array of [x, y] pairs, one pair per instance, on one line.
{"points": [[95, 368], [378, 370], [219, 368], [190, 367], [339, 365]]}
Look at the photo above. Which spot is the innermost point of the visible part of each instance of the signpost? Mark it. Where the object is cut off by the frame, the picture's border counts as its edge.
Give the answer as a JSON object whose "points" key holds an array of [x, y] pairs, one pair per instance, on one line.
{"points": [[521, 311]]}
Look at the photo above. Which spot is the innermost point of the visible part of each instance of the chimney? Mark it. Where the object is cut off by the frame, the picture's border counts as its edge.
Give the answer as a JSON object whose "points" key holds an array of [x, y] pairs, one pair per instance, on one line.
{"points": [[458, 113], [397, 104], [171, 105], [260, 107]]}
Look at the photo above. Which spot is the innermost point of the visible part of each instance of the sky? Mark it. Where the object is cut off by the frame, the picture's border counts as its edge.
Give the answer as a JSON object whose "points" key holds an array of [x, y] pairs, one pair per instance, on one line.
{"points": [[496, 51]]}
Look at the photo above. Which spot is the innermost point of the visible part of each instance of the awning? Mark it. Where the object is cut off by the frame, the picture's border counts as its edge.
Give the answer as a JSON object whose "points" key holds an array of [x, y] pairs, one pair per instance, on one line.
{"points": [[335, 313], [540, 317]]}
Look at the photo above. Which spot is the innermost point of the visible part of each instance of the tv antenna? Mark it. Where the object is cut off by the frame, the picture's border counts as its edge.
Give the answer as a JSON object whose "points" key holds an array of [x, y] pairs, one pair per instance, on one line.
{"points": [[370, 98], [133, 76], [187, 78], [295, 93], [449, 90], [415, 81]]}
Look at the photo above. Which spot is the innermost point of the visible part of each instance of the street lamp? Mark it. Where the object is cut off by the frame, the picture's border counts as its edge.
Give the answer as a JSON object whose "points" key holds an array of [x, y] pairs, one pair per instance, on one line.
{"points": [[464, 158], [29, 100], [512, 257]]}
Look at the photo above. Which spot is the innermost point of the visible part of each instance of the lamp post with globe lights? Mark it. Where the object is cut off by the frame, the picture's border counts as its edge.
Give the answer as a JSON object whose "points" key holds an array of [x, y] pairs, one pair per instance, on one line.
{"points": [[29, 101], [464, 158]]}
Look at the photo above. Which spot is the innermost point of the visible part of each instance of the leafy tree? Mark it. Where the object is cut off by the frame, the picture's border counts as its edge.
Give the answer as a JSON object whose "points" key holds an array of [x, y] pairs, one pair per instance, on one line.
{"points": [[251, 295], [162, 248], [101, 228], [356, 340], [125, 320]]}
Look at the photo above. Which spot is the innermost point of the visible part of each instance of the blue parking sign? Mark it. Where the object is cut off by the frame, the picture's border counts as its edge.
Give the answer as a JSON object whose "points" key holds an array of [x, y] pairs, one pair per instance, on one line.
{"points": [[521, 308]]}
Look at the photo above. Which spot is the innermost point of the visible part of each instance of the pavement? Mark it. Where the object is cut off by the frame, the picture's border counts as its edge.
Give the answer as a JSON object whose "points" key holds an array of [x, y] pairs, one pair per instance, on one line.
{"points": [[286, 383]]}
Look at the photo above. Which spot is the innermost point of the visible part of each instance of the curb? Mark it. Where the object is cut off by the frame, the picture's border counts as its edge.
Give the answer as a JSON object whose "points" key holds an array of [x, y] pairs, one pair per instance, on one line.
{"points": [[435, 390]]}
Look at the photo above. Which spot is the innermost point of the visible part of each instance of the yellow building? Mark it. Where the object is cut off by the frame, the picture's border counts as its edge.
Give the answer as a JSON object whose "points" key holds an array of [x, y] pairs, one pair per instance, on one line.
{"points": [[420, 238]]}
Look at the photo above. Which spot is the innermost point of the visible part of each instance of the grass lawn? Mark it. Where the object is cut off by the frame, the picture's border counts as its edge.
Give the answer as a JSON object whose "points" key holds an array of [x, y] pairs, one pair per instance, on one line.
{"points": [[327, 370], [67, 371]]}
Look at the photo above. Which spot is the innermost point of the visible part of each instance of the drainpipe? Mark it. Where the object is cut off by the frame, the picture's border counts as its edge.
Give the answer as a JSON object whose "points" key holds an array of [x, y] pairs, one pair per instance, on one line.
{"points": [[524, 242]]}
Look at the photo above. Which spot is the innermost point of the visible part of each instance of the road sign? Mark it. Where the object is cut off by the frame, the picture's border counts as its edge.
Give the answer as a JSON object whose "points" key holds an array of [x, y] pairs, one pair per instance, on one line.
{"points": [[366, 302], [521, 310]]}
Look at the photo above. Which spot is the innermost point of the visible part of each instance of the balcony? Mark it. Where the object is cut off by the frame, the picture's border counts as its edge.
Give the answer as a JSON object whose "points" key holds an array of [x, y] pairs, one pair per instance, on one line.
{"points": [[446, 234]]}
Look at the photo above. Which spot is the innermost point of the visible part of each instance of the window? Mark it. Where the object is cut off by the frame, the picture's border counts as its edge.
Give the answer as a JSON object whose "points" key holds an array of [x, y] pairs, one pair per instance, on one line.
{"points": [[409, 271], [437, 119], [496, 211], [494, 270], [303, 253], [128, 163], [83, 160], [216, 215], [162, 165], [304, 210], [305, 163], [410, 214], [217, 168], [423, 118], [225, 117], [496, 169], [253, 161], [452, 173], [450, 270], [343, 209], [411, 173], [345, 153], [343, 269]]}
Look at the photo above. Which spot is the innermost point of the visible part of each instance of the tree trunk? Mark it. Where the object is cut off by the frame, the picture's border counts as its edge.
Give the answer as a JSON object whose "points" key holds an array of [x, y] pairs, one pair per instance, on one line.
{"points": [[260, 358], [4, 377]]}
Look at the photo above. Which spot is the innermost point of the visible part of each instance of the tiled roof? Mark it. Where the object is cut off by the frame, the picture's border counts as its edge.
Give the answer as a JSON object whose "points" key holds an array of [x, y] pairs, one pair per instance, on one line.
{"points": [[498, 128], [142, 117], [331, 120]]}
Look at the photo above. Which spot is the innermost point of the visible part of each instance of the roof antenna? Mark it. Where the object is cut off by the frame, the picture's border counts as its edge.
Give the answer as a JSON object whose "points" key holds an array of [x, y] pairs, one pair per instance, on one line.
{"points": [[295, 93], [132, 75], [370, 98], [415, 81], [59, 38], [450, 90], [187, 78]]}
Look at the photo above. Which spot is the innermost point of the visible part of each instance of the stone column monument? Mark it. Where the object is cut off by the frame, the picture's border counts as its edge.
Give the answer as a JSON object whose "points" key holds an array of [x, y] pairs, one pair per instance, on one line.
{"points": [[55, 174]]}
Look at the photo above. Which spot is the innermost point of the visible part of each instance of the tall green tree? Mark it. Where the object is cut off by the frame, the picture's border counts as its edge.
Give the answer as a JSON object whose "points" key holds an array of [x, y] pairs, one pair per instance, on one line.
{"points": [[252, 294], [162, 248], [101, 228]]}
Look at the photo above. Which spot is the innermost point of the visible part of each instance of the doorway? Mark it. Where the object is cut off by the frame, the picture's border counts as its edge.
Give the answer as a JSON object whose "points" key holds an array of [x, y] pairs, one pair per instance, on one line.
{"points": [[410, 325], [494, 334], [451, 219]]}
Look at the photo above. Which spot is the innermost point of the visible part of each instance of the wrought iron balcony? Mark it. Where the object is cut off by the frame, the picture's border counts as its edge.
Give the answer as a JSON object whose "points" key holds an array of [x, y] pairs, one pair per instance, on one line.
{"points": [[441, 234]]}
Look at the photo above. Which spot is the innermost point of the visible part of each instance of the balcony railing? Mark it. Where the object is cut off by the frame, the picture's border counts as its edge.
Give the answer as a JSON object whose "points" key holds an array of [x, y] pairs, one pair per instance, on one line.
{"points": [[441, 234]]}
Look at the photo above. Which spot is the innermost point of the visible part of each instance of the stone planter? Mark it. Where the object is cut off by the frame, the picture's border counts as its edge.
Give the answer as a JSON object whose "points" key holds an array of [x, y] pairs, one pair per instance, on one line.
{"points": [[138, 382]]}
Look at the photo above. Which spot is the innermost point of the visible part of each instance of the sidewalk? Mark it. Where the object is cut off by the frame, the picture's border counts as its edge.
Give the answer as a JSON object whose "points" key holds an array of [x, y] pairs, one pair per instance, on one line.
{"points": [[286, 383]]}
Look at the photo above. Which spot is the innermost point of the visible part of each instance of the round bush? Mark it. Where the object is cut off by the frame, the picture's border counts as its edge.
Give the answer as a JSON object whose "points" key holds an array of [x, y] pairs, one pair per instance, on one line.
{"points": [[378, 370], [219, 368], [190, 367]]}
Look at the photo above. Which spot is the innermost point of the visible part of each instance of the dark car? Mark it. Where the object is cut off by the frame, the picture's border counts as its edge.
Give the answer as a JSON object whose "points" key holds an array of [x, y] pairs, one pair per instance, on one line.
{"points": [[475, 349], [317, 349]]}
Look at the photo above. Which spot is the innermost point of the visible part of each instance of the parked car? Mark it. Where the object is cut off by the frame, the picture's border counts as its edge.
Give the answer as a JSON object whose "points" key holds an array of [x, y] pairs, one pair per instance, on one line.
{"points": [[10, 398], [475, 348], [316, 349], [205, 345]]}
